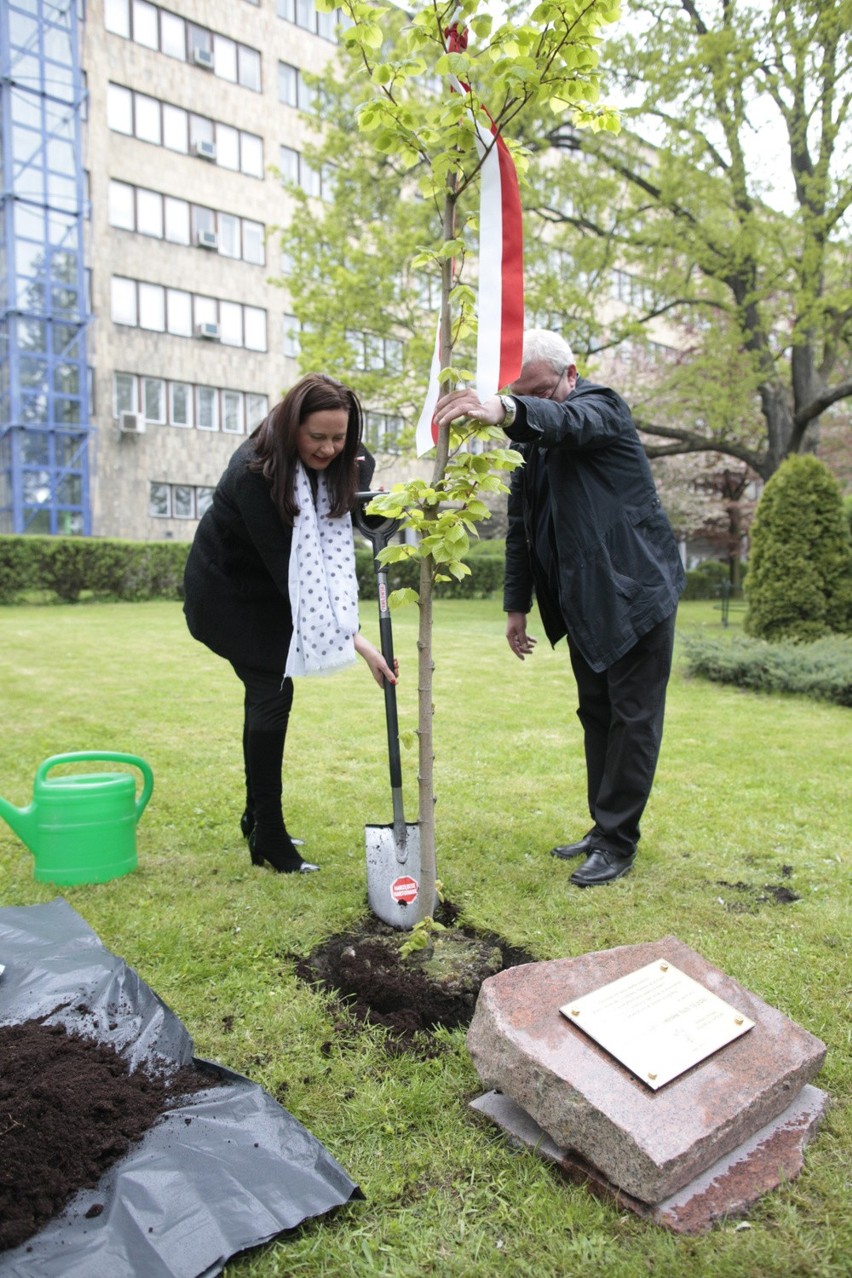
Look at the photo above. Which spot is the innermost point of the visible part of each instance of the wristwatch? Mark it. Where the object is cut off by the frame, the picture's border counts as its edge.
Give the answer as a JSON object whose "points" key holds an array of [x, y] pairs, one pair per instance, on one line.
{"points": [[510, 408]]}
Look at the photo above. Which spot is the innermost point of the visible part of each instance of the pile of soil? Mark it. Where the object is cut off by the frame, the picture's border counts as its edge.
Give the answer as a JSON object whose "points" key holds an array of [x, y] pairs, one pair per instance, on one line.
{"points": [[412, 994], [69, 1109]]}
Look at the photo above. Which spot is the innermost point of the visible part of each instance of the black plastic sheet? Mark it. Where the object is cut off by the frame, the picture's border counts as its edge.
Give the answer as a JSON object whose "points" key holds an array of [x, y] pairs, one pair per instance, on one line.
{"points": [[192, 1193]]}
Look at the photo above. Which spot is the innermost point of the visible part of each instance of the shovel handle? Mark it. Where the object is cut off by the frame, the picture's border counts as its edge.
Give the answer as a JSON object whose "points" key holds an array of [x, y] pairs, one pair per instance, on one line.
{"points": [[386, 639], [378, 530]]}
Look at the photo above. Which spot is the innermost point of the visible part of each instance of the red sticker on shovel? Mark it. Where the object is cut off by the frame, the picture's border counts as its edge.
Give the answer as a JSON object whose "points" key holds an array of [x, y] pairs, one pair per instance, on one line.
{"points": [[404, 889]]}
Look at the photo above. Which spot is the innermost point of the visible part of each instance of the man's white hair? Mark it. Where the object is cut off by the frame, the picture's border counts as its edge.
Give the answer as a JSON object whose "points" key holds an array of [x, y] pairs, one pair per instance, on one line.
{"points": [[542, 345]]}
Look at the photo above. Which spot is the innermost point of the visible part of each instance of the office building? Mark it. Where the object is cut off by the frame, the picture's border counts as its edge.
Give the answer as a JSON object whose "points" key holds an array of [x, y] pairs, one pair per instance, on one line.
{"points": [[141, 335]]}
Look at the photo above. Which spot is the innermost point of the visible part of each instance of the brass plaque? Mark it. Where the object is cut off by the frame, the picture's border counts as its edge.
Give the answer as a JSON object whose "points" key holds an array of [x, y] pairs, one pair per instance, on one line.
{"points": [[657, 1021]]}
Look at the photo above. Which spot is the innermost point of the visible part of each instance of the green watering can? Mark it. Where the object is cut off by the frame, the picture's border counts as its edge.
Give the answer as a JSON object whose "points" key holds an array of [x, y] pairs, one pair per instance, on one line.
{"points": [[82, 829]]}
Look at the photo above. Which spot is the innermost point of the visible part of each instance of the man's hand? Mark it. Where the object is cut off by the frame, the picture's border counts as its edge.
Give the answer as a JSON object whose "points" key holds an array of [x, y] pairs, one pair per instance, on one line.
{"points": [[466, 404], [519, 641]]}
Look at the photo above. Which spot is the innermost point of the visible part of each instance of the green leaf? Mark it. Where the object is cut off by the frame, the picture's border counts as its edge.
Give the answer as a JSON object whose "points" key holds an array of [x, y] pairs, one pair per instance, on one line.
{"points": [[399, 598]]}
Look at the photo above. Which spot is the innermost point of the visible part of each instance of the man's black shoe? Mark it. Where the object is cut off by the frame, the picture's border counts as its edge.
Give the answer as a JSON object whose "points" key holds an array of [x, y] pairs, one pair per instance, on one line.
{"points": [[566, 850], [602, 866]]}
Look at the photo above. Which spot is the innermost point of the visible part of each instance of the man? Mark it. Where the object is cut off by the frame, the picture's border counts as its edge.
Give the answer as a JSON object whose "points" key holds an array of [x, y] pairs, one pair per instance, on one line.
{"points": [[588, 537]]}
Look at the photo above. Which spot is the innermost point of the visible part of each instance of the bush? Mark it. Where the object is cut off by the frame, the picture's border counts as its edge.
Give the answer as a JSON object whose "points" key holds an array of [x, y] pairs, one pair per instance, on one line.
{"points": [[106, 568], [822, 670], [800, 576], [708, 579]]}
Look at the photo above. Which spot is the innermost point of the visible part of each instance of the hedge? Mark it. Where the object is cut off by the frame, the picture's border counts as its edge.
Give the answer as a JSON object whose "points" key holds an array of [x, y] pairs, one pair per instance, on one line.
{"points": [[104, 568], [68, 567], [822, 670], [708, 579]]}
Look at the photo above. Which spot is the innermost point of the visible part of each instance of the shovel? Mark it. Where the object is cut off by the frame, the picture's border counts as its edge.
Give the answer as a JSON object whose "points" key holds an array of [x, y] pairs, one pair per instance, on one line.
{"points": [[393, 851]]}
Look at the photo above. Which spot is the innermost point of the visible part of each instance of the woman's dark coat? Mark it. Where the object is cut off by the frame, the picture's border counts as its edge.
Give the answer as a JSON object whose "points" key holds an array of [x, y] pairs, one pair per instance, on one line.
{"points": [[236, 597]]}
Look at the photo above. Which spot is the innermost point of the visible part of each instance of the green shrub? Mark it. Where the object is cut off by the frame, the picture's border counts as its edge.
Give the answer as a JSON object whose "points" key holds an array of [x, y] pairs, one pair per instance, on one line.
{"points": [[800, 576], [107, 568], [708, 579], [68, 567], [822, 670]]}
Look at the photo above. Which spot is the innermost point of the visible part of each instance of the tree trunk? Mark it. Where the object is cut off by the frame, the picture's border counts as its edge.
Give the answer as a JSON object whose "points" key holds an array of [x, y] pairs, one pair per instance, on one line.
{"points": [[425, 659], [426, 749]]}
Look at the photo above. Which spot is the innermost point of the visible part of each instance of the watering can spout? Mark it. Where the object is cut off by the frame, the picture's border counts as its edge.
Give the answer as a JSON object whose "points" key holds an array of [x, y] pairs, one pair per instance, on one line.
{"points": [[22, 820]]}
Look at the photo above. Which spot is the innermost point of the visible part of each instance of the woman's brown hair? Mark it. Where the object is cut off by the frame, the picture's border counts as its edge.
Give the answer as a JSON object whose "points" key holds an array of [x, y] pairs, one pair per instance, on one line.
{"points": [[276, 444]]}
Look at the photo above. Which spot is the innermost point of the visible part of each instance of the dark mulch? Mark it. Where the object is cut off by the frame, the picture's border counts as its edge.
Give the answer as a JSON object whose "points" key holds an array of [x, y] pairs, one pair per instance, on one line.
{"points": [[752, 895], [409, 995], [69, 1109]]}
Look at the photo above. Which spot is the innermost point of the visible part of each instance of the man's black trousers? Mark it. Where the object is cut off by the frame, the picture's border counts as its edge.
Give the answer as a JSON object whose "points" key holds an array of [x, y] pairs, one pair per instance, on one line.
{"points": [[621, 710]]}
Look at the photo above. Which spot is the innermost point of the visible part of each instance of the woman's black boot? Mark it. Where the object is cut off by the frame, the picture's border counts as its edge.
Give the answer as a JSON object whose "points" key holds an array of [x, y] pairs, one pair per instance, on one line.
{"points": [[284, 858], [247, 823]]}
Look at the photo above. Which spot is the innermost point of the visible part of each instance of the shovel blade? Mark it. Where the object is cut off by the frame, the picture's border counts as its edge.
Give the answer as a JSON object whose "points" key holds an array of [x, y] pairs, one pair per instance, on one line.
{"points": [[393, 872]]}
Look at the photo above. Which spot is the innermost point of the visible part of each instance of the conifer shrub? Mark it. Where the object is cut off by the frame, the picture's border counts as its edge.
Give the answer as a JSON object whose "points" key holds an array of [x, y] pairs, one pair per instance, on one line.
{"points": [[799, 584], [821, 670]]}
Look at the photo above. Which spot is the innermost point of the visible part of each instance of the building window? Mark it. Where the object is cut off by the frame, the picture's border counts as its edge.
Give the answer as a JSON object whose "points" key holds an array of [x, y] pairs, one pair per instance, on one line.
{"points": [[254, 319], [232, 412], [124, 393], [254, 242], [257, 407], [123, 306], [165, 32], [149, 213], [378, 354], [292, 345], [207, 408], [160, 310], [122, 206], [176, 220], [184, 405], [302, 13], [152, 307], [183, 501], [293, 91], [138, 115], [178, 501], [159, 501], [180, 404], [294, 168], [382, 431], [154, 399], [179, 312]]}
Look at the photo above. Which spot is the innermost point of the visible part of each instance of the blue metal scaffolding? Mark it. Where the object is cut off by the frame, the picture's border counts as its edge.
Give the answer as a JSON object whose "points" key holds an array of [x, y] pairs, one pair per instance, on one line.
{"points": [[44, 306]]}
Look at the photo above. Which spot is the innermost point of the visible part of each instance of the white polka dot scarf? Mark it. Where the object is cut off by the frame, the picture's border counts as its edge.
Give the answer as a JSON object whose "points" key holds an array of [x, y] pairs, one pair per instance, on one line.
{"points": [[322, 583]]}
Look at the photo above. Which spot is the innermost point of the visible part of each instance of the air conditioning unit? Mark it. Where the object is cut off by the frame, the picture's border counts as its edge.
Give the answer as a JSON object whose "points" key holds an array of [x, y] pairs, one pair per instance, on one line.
{"points": [[207, 239], [131, 424], [208, 331], [203, 58], [204, 149]]}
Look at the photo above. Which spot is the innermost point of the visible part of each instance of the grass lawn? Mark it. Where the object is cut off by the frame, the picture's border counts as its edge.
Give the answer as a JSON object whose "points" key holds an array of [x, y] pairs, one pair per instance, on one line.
{"points": [[750, 791]]}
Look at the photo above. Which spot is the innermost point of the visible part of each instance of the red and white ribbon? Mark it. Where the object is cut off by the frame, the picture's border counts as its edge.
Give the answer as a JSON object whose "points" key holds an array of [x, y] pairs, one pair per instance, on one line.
{"points": [[500, 305]]}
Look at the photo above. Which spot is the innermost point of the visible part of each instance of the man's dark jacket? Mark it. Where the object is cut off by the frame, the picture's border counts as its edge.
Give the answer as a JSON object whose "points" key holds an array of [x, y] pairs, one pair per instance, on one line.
{"points": [[236, 594], [586, 495]]}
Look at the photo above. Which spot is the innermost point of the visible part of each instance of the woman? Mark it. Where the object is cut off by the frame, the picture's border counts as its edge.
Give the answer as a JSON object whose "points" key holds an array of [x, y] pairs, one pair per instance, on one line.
{"points": [[270, 581]]}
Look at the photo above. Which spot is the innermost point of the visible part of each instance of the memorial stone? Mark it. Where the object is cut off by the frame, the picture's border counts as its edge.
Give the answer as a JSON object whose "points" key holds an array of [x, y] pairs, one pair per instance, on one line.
{"points": [[648, 1144]]}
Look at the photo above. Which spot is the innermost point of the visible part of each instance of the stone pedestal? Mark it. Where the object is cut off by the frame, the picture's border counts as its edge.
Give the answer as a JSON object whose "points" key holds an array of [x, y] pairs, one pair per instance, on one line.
{"points": [[711, 1136]]}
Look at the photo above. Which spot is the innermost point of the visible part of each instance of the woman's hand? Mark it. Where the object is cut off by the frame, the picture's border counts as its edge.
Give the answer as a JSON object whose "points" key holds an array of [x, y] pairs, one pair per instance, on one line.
{"points": [[374, 659]]}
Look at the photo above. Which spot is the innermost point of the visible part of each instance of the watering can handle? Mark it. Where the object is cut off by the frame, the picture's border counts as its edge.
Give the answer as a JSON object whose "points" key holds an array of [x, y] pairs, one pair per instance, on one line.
{"points": [[108, 756]]}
